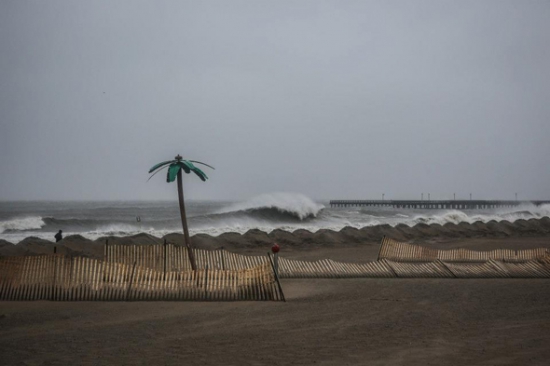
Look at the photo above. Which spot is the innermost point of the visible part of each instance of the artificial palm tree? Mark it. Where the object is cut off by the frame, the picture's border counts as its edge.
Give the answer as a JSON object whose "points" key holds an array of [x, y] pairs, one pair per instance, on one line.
{"points": [[174, 170]]}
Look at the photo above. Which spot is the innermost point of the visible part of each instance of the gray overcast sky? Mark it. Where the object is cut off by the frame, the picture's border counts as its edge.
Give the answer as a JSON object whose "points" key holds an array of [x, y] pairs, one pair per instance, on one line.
{"points": [[333, 99]]}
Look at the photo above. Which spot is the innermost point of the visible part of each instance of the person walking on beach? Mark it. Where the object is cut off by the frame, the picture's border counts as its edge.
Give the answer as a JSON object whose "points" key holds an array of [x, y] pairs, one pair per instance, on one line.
{"points": [[59, 236]]}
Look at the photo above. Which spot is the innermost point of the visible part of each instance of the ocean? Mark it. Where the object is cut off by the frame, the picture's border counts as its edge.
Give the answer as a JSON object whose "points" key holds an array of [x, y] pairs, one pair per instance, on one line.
{"points": [[287, 211]]}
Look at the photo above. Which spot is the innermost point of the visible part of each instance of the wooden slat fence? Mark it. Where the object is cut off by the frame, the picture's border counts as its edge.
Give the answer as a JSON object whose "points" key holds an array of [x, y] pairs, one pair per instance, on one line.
{"points": [[526, 269], [397, 251], [420, 267], [328, 268], [55, 277], [419, 270], [490, 269], [545, 259], [392, 269], [152, 256], [171, 257]]}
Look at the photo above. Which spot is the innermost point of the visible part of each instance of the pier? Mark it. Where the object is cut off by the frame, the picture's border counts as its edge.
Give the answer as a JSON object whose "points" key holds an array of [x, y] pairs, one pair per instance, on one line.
{"points": [[434, 204]]}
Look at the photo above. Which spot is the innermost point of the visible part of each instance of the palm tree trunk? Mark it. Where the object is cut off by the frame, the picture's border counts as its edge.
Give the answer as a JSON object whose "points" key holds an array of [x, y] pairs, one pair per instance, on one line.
{"points": [[184, 224]]}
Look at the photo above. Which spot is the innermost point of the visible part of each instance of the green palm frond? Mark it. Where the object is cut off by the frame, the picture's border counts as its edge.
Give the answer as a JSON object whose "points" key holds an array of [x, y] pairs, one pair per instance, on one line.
{"points": [[200, 174], [173, 170], [155, 173], [174, 166], [186, 166], [198, 162], [160, 164], [196, 170]]}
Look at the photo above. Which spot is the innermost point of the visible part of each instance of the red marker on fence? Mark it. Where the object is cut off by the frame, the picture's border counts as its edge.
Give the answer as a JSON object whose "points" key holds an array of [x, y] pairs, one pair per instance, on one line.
{"points": [[275, 249]]}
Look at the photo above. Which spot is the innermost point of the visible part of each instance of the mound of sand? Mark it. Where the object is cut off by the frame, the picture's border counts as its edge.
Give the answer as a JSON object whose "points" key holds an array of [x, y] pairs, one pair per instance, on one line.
{"points": [[3, 243]]}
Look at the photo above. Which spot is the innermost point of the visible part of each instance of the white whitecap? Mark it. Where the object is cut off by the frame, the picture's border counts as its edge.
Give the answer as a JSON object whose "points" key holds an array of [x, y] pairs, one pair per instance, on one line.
{"points": [[21, 224], [295, 203]]}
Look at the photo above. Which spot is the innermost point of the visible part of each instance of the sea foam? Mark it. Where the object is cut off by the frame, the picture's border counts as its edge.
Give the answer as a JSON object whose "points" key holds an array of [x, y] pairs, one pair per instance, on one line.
{"points": [[526, 211], [21, 224]]}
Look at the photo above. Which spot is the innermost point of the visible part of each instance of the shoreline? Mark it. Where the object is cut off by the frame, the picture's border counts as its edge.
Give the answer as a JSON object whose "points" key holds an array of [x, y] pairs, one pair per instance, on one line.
{"points": [[256, 239]]}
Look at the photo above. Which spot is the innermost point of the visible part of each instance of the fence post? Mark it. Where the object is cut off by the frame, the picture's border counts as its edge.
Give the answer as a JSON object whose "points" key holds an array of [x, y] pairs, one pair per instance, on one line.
{"points": [[381, 245], [54, 271], [223, 258], [131, 280], [164, 277], [70, 287], [446, 267], [206, 282], [106, 251], [54, 275], [276, 277]]}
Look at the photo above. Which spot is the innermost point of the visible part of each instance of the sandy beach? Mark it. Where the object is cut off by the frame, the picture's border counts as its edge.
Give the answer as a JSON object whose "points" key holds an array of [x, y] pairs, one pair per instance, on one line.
{"points": [[326, 322]]}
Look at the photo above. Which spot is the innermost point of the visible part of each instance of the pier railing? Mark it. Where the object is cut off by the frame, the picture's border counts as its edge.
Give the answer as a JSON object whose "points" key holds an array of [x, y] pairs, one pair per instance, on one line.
{"points": [[434, 204]]}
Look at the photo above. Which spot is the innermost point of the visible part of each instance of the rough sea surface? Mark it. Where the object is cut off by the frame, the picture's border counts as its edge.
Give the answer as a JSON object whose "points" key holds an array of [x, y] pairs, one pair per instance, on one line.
{"points": [[287, 211]]}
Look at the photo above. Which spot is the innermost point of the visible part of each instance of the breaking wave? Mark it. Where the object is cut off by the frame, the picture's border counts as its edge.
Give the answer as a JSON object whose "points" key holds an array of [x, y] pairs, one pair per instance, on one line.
{"points": [[455, 216], [22, 224], [266, 212], [278, 206]]}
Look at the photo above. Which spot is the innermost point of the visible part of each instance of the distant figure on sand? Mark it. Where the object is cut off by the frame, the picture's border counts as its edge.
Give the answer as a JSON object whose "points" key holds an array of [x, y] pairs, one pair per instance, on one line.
{"points": [[59, 236]]}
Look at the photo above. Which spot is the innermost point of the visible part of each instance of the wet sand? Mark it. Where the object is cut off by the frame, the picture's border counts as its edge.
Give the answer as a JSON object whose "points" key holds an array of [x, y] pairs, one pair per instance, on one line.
{"points": [[325, 322]]}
